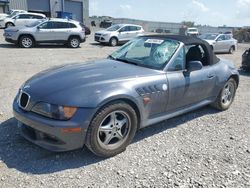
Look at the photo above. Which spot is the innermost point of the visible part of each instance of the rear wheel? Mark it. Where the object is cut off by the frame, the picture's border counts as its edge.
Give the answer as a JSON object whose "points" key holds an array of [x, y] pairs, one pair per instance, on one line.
{"points": [[112, 129], [226, 96], [9, 24], [113, 41], [74, 42], [26, 41]]}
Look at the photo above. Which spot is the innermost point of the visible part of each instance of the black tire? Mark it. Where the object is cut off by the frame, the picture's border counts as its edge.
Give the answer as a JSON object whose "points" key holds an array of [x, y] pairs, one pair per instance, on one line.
{"points": [[26, 41], [74, 42], [219, 104], [113, 41], [9, 24], [95, 138], [231, 50]]}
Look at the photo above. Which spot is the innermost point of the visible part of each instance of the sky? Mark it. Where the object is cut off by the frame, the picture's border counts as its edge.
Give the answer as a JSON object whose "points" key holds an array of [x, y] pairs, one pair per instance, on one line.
{"points": [[205, 12]]}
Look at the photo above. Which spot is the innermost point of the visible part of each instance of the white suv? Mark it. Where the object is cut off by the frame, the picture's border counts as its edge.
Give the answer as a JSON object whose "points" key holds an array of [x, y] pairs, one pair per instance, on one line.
{"points": [[11, 13], [22, 19], [119, 33]]}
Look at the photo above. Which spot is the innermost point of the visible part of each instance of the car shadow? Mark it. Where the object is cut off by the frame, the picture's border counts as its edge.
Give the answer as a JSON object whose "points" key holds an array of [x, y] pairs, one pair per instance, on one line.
{"points": [[17, 153]]}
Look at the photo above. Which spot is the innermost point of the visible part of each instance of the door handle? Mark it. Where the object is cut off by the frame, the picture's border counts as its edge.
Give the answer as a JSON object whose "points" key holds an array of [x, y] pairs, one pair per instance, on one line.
{"points": [[210, 76]]}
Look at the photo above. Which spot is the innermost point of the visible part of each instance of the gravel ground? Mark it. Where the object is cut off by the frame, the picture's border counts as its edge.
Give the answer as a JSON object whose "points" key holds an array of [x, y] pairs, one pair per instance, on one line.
{"points": [[205, 148]]}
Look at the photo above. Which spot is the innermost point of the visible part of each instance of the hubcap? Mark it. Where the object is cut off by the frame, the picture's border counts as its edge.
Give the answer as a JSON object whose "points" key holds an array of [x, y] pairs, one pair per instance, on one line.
{"points": [[114, 129], [26, 42], [113, 42], [227, 94], [74, 43]]}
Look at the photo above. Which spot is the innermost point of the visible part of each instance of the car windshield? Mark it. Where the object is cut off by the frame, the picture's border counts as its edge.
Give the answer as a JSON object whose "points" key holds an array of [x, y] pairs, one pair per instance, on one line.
{"points": [[114, 28], [209, 36], [147, 52]]}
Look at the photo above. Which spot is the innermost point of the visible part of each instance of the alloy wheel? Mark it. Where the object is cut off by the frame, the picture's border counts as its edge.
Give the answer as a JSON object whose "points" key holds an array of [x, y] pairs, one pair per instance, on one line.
{"points": [[114, 129], [227, 94], [27, 42]]}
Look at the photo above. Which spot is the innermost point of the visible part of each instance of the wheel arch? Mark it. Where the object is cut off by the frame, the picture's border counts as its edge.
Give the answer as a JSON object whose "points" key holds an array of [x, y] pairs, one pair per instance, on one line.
{"points": [[8, 22], [74, 36], [26, 34], [236, 78], [114, 37], [125, 99]]}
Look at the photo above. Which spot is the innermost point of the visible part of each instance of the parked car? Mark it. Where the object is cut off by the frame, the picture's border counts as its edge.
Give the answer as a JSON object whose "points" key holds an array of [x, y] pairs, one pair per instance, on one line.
{"points": [[105, 24], [22, 19], [119, 33], [221, 42], [192, 31], [50, 31], [103, 103], [246, 60], [11, 13]]}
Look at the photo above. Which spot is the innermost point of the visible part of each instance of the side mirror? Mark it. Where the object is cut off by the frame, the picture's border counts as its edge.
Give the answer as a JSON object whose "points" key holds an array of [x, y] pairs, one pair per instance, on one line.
{"points": [[38, 27], [194, 66]]}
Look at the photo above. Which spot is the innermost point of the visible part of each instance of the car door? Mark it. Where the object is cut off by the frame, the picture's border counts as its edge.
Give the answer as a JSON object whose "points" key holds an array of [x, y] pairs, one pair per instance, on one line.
{"points": [[44, 32], [221, 44], [61, 31], [22, 20], [188, 88], [124, 33]]}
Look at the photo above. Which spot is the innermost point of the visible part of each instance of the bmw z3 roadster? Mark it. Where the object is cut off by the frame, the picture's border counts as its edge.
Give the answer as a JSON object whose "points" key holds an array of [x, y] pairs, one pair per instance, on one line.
{"points": [[102, 104]]}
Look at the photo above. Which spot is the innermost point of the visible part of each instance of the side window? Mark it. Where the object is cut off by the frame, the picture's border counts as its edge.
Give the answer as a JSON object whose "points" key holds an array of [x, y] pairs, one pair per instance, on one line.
{"points": [[37, 17], [222, 37], [132, 28], [24, 16], [179, 62], [46, 25], [228, 37], [124, 29], [71, 25], [60, 25]]}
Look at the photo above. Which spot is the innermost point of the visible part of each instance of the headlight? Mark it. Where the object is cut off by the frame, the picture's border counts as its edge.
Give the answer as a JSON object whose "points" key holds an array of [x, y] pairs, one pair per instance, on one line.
{"points": [[54, 111], [104, 35]]}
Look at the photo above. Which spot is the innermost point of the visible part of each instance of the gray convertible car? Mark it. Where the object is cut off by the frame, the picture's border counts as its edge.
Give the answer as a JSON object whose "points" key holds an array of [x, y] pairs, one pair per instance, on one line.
{"points": [[103, 103]]}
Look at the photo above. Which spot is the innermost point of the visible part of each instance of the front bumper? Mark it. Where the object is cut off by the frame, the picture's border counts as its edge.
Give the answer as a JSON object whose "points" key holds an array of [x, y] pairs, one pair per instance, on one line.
{"points": [[49, 134], [101, 38], [10, 37]]}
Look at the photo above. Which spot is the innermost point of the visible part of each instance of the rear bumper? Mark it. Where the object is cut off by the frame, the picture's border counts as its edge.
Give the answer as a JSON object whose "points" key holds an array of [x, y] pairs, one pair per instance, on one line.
{"points": [[49, 133]]}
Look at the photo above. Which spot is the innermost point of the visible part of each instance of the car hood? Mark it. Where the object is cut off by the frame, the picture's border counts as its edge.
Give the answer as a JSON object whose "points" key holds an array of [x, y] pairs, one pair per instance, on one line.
{"points": [[102, 32], [11, 29], [211, 42], [87, 78]]}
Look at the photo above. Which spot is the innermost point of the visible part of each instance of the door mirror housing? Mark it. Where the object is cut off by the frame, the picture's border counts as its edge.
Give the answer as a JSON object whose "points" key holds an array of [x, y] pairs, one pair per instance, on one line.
{"points": [[194, 66], [38, 27]]}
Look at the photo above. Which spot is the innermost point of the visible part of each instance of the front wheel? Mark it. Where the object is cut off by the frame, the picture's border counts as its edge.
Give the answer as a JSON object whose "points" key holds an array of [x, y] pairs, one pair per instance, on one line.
{"points": [[112, 129], [26, 42], [113, 41], [74, 42], [226, 96]]}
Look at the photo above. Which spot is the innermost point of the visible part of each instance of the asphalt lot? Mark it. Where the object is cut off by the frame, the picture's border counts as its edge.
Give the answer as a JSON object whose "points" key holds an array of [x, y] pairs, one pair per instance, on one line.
{"points": [[205, 148]]}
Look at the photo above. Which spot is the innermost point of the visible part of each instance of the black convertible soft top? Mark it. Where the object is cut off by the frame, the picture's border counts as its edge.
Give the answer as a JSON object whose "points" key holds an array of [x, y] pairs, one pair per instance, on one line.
{"points": [[188, 40]]}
